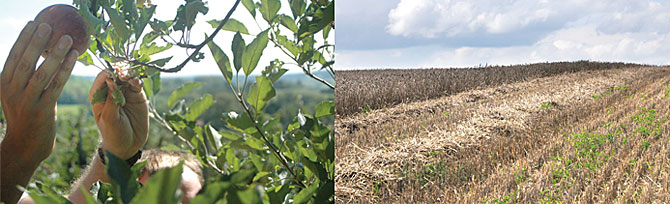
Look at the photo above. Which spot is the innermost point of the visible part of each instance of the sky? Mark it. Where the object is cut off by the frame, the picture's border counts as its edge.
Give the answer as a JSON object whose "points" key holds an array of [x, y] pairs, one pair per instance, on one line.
{"points": [[15, 15], [465, 33]]}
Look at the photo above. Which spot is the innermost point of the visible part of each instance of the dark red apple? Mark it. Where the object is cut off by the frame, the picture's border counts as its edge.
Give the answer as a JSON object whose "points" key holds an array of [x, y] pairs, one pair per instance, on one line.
{"points": [[64, 20]]}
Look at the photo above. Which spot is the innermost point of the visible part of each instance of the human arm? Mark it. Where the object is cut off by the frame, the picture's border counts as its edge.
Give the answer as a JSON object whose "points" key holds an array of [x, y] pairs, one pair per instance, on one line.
{"points": [[124, 129]]}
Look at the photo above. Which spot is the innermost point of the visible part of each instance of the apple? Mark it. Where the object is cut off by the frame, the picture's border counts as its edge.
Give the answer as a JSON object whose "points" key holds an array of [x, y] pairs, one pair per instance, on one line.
{"points": [[64, 20]]}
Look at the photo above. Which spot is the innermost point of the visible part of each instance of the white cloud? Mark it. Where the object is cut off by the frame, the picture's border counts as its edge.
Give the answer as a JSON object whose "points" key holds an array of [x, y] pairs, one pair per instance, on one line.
{"points": [[448, 18], [466, 33], [569, 44]]}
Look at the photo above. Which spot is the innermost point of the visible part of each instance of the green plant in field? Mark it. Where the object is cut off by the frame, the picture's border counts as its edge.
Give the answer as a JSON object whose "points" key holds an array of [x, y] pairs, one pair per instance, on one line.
{"points": [[376, 187], [507, 198], [620, 88], [521, 175], [367, 109], [546, 106], [254, 159]]}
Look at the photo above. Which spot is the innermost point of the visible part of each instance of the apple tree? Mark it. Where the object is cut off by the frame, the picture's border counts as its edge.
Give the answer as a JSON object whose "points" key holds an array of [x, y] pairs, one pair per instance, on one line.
{"points": [[254, 159]]}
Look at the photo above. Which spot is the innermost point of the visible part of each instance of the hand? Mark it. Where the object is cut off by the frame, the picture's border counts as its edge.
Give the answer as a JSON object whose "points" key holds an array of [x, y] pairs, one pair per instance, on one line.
{"points": [[28, 97], [124, 129]]}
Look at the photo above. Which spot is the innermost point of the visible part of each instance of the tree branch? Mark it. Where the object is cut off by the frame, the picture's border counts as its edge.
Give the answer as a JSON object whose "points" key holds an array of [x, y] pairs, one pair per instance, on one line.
{"points": [[197, 49], [280, 157]]}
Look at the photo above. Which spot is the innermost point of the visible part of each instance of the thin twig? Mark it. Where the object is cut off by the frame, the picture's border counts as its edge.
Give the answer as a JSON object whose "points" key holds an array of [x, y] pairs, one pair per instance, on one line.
{"points": [[301, 66], [278, 154], [166, 125], [197, 49]]}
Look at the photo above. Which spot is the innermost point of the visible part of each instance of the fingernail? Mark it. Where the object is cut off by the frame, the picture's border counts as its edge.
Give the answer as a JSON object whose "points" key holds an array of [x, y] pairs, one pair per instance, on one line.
{"points": [[64, 42], [43, 30]]}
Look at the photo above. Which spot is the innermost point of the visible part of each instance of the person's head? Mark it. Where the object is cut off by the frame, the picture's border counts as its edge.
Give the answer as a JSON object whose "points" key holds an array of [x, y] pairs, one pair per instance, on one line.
{"points": [[191, 177]]}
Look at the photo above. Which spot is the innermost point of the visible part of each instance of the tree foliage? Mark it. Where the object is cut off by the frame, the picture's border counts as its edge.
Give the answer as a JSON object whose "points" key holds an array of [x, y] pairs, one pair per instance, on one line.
{"points": [[253, 158]]}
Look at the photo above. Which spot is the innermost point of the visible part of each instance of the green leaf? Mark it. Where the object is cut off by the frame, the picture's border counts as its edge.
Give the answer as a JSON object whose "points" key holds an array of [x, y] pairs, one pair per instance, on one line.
{"points": [[214, 137], [275, 74], [85, 59], [181, 92], [229, 135], [118, 22], [326, 31], [316, 169], [161, 187], [129, 10], [145, 15], [255, 143], [254, 51], [213, 192], [245, 196], [153, 49], [118, 97], [232, 25], [198, 107], [243, 176], [277, 194], [288, 22], [305, 194], [103, 192], [152, 85], [325, 192], [124, 183], [232, 160], [221, 60], [192, 9], [297, 8], [93, 23], [240, 123], [261, 175], [256, 160], [238, 48], [161, 62], [326, 108], [289, 45], [322, 18], [260, 93], [251, 7], [100, 95], [269, 9], [49, 197]]}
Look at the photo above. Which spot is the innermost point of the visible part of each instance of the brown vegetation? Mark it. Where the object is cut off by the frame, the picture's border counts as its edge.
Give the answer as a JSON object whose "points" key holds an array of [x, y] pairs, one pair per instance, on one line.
{"points": [[584, 137], [365, 90]]}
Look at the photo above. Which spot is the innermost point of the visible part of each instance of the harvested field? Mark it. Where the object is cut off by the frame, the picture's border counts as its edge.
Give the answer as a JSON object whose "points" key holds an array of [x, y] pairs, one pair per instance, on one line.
{"points": [[583, 137], [366, 90]]}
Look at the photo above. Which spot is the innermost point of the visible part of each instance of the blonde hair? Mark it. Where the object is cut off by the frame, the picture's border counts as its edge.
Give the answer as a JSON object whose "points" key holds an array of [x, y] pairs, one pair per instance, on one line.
{"points": [[161, 159]]}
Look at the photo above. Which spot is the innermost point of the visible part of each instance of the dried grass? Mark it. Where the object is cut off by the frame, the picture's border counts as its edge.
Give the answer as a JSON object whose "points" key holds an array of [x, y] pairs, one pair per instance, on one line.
{"points": [[468, 146], [365, 90]]}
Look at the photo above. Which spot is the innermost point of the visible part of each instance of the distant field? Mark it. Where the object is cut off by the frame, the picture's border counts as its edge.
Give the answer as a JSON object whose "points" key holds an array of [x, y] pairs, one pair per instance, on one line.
{"points": [[365, 90], [71, 109], [594, 136]]}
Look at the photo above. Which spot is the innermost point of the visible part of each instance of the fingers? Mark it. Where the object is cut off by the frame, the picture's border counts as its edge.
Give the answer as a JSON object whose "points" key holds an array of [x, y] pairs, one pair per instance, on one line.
{"points": [[51, 94], [17, 51], [134, 93], [26, 66], [45, 74]]}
